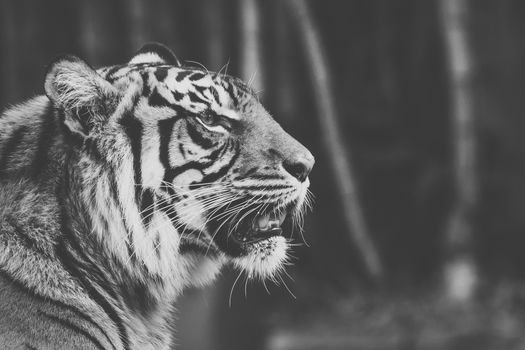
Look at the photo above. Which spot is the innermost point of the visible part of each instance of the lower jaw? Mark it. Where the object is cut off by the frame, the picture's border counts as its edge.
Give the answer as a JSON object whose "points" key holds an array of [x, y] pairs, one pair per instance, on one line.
{"points": [[238, 239], [263, 259], [238, 245]]}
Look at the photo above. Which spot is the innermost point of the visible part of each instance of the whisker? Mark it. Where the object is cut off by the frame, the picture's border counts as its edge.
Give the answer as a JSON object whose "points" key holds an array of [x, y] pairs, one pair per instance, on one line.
{"points": [[266, 287], [233, 286], [286, 286], [199, 64]]}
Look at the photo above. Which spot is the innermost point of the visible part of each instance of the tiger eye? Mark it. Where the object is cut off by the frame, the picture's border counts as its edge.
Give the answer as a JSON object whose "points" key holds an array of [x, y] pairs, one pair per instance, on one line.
{"points": [[209, 118]]}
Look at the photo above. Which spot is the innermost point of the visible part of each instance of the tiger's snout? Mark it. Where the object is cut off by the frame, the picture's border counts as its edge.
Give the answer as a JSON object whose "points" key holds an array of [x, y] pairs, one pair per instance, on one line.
{"points": [[299, 165]]}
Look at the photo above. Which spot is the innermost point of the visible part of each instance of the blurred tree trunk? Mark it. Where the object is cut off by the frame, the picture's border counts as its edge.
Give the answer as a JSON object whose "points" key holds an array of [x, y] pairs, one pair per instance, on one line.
{"points": [[164, 26], [138, 26], [93, 31], [250, 37], [333, 140], [10, 66], [282, 87], [460, 274], [215, 33]]}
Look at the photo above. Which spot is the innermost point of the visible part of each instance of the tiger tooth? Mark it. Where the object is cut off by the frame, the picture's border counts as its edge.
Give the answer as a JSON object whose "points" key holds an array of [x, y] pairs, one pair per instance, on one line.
{"points": [[273, 223], [262, 222]]}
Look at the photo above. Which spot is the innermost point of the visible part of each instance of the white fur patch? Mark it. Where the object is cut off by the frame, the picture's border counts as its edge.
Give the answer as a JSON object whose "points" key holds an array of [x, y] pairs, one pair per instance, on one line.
{"points": [[147, 57], [228, 113], [265, 258], [215, 128]]}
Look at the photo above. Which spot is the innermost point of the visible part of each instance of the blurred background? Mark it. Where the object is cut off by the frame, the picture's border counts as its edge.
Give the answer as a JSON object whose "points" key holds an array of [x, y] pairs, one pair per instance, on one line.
{"points": [[414, 111]]}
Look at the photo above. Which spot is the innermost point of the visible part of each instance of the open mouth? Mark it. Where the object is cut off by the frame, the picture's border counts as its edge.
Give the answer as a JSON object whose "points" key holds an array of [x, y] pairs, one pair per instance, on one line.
{"points": [[262, 227], [238, 234]]}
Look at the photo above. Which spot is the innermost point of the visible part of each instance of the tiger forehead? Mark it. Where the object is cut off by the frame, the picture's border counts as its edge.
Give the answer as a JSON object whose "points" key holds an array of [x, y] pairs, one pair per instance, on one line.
{"points": [[196, 90]]}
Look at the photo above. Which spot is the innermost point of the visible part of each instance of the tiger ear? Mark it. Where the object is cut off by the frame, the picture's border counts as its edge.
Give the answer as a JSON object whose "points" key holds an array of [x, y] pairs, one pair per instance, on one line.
{"points": [[86, 98], [155, 53]]}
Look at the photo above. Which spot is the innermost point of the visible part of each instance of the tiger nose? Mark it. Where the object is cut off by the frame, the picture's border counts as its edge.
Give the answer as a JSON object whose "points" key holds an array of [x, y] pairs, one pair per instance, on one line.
{"points": [[300, 165]]}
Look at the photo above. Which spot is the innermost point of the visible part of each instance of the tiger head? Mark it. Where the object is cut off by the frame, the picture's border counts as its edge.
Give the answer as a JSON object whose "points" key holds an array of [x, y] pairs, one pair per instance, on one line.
{"points": [[201, 167]]}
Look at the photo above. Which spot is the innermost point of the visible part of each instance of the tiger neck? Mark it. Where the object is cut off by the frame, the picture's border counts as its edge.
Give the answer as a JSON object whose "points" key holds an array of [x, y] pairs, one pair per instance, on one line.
{"points": [[139, 269], [95, 249]]}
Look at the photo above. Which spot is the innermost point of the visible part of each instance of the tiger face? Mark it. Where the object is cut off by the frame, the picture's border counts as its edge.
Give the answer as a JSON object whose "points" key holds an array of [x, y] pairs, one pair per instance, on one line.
{"points": [[198, 151]]}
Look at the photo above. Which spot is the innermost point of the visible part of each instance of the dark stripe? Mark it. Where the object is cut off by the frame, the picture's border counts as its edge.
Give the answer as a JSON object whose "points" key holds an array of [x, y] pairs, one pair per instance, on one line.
{"points": [[90, 268], [146, 207], [250, 172], [215, 94], [274, 152], [111, 72], [225, 148], [67, 260], [199, 138], [57, 303], [91, 149], [222, 171], [156, 245], [28, 241], [229, 88], [30, 347], [266, 177], [138, 297], [133, 128], [83, 115], [177, 96], [89, 265], [161, 73], [146, 90], [197, 76], [196, 99], [73, 137], [72, 327], [172, 173], [116, 198], [45, 140], [165, 132], [181, 75], [156, 100], [10, 146], [200, 89], [182, 150], [190, 247]]}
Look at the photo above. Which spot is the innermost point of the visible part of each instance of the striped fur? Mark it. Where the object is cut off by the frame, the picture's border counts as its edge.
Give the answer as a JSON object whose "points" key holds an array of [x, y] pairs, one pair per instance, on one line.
{"points": [[115, 190]]}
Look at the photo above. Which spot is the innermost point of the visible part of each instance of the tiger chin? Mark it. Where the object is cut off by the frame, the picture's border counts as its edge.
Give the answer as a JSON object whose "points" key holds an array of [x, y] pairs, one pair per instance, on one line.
{"points": [[124, 185]]}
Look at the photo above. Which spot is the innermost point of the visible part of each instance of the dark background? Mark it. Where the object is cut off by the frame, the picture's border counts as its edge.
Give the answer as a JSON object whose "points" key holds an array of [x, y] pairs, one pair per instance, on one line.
{"points": [[395, 92]]}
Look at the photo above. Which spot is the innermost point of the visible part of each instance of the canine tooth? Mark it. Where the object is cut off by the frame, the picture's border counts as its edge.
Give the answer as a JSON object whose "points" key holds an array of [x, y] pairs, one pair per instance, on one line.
{"points": [[281, 218], [274, 223], [263, 221]]}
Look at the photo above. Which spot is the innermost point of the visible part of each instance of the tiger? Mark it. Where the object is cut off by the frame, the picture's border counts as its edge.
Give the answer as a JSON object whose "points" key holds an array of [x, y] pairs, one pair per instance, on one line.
{"points": [[123, 186]]}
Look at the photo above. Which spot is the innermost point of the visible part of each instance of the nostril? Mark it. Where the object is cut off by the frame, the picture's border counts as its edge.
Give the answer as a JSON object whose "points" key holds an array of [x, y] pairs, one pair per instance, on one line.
{"points": [[298, 169]]}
